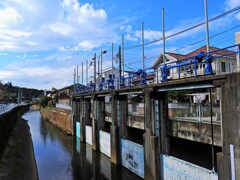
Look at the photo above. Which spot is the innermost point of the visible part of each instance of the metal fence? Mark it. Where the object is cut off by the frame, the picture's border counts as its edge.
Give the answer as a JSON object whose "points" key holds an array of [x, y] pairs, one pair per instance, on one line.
{"points": [[219, 61], [196, 112]]}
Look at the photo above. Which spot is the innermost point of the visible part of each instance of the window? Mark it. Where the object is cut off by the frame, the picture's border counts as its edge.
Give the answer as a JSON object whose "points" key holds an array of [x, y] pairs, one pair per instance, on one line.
{"points": [[110, 76], [168, 72], [223, 66]]}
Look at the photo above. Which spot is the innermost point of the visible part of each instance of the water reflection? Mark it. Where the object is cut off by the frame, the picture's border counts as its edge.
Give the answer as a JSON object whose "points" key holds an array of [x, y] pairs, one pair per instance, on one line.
{"points": [[63, 157]]}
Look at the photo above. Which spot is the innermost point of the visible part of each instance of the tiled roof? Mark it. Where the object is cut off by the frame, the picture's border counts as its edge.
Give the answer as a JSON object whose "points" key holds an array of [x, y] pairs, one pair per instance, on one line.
{"points": [[204, 49], [176, 56], [194, 53]]}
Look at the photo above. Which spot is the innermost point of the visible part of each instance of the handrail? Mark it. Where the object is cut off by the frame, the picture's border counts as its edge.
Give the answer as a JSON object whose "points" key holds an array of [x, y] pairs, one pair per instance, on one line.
{"points": [[160, 73]]}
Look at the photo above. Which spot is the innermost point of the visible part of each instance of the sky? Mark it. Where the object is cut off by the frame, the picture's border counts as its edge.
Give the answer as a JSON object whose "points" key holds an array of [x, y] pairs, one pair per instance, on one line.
{"points": [[42, 41]]}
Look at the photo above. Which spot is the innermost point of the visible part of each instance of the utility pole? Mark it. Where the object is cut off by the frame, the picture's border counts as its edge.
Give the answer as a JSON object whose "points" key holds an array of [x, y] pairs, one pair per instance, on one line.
{"points": [[77, 76], [143, 45], [206, 22], [94, 61], [98, 70], [120, 62], [123, 55], [86, 72], [112, 59], [163, 34], [101, 66], [74, 76], [82, 73]]}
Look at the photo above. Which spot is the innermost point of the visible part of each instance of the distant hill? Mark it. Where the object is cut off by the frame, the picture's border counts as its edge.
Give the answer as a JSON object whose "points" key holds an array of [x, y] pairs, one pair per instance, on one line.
{"points": [[9, 93]]}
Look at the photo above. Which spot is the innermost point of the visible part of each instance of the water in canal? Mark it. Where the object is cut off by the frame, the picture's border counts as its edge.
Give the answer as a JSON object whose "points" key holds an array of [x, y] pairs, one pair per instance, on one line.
{"points": [[63, 157]]}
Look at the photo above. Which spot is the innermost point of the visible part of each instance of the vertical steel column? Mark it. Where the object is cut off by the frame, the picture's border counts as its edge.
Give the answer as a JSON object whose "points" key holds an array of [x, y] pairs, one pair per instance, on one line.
{"points": [[123, 55], [212, 135], [163, 34], [143, 66]]}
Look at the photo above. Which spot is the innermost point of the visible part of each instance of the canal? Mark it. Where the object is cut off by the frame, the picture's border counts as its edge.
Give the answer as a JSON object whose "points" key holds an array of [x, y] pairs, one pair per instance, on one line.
{"points": [[61, 157]]}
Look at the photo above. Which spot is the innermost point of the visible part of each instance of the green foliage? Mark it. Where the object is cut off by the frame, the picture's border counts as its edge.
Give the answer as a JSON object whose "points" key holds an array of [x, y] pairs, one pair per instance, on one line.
{"points": [[179, 96], [44, 101], [51, 103], [10, 93]]}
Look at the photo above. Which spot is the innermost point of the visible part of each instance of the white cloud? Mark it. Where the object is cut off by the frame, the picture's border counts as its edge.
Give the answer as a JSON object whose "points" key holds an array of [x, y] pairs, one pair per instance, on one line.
{"points": [[127, 28], [152, 35], [230, 4], [129, 37], [149, 34], [43, 24], [38, 77]]}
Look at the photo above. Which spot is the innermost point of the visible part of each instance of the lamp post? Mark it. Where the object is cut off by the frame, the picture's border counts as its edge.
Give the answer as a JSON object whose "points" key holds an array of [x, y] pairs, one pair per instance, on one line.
{"points": [[102, 52]]}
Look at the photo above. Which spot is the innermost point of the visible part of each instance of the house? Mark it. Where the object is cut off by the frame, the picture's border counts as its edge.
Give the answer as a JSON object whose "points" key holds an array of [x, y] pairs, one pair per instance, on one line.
{"points": [[63, 97], [170, 57], [110, 73], [224, 61]]}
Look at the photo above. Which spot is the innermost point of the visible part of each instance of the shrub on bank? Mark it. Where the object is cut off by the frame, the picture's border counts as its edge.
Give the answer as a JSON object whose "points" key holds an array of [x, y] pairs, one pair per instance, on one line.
{"points": [[47, 102]]}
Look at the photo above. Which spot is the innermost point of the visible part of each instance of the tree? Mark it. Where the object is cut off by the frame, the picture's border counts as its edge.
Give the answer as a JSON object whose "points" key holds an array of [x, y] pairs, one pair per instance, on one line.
{"points": [[179, 96], [44, 101]]}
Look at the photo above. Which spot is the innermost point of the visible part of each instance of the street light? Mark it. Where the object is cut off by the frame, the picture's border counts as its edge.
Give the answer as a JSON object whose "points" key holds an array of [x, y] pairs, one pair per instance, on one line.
{"points": [[102, 52]]}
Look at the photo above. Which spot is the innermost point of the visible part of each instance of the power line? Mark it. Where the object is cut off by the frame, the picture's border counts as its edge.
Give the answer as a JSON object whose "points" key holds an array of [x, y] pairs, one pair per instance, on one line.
{"points": [[205, 39], [183, 47], [185, 30], [225, 41]]}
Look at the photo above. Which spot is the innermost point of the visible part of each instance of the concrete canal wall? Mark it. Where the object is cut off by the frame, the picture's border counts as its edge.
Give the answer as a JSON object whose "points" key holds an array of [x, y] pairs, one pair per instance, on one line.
{"points": [[7, 123], [17, 155], [59, 117], [18, 160]]}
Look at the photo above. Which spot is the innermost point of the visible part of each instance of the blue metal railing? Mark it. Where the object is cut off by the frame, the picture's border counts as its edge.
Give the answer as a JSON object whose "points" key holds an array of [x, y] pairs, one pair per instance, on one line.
{"points": [[200, 64]]}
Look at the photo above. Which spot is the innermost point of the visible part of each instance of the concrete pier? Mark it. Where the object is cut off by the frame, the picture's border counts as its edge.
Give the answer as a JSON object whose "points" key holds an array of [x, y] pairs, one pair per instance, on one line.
{"points": [[229, 162]]}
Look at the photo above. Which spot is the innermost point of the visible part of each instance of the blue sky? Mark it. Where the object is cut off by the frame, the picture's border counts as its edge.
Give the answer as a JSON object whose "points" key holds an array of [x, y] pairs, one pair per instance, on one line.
{"points": [[42, 41]]}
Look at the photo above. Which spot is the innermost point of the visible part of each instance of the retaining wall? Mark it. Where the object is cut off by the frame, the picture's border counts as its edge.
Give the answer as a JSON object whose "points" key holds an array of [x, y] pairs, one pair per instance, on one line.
{"points": [[61, 118], [7, 123]]}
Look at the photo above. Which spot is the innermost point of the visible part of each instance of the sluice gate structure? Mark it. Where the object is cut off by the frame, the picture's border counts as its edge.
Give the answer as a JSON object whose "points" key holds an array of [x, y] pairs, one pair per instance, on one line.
{"points": [[183, 128]]}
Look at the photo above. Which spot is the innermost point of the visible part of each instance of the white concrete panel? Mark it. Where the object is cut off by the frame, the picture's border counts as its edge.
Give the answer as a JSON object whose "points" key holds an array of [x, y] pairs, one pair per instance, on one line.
{"points": [[89, 135], [78, 129], [132, 156], [174, 168], [105, 143]]}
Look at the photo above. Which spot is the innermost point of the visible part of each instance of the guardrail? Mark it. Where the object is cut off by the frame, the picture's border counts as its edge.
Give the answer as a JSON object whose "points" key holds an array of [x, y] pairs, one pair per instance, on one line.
{"points": [[200, 64], [7, 107]]}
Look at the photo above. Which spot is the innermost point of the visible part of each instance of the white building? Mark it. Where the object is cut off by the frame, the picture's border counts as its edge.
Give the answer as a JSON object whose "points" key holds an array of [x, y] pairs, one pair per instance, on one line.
{"points": [[224, 62]]}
